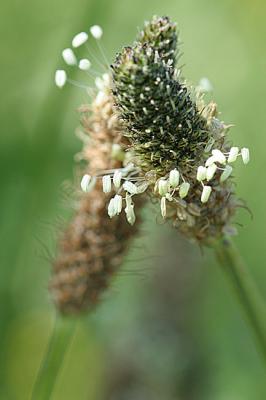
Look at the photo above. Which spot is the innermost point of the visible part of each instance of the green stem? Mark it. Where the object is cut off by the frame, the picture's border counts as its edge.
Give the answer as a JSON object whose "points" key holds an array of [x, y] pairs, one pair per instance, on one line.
{"points": [[52, 362], [246, 290]]}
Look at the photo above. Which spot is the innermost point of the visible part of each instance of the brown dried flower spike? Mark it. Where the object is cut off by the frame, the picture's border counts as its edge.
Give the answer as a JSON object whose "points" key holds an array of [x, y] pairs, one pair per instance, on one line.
{"points": [[93, 245]]}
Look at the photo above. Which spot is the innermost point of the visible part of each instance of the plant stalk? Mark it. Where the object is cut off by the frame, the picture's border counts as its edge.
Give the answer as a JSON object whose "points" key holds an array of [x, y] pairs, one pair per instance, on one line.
{"points": [[245, 289], [52, 362]]}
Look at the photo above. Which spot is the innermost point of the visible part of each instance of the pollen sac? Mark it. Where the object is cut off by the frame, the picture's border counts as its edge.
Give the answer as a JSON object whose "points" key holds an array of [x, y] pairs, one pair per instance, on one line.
{"points": [[206, 192], [85, 181], [174, 178], [183, 190], [245, 155], [107, 184], [201, 173], [60, 78]]}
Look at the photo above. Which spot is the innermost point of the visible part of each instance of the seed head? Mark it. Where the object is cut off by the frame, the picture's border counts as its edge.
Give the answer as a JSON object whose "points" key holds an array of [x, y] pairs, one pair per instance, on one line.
{"points": [[179, 145]]}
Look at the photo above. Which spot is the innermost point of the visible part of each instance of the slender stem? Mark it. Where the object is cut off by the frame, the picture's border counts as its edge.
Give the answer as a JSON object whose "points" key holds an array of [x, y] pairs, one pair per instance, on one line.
{"points": [[245, 288], [52, 362]]}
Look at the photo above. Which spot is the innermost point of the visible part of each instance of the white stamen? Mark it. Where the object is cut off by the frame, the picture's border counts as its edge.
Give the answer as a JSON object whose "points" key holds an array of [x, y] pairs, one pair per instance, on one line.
{"points": [[205, 85], [69, 57], [211, 160], [85, 181], [99, 83], [111, 208], [245, 155], [142, 187], [169, 197], [129, 210], [84, 64], [211, 171], [107, 184], [163, 207], [219, 156], [117, 179], [201, 173], [118, 202], [100, 98], [183, 190], [60, 78], [174, 178], [106, 78], [226, 173], [96, 31], [130, 187], [163, 187], [233, 153], [205, 194], [129, 201], [79, 39]]}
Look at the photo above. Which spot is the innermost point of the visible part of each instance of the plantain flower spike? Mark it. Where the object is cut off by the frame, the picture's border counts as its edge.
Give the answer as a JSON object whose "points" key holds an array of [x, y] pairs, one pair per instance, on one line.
{"points": [[179, 148]]}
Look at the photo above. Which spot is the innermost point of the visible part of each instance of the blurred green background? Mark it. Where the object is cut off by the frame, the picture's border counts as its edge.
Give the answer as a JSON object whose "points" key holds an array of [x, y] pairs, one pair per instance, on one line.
{"points": [[170, 327]]}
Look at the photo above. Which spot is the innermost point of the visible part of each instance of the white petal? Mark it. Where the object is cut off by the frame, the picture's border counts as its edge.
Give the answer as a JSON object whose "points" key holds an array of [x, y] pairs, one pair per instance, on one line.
{"points": [[183, 190], [85, 181], [107, 184], [219, 156], [69, 57], [163, 207], [211, 171], [233, 153], [205, 194], [245, 155], [117, 178], [226, 173], [79, 39], [201, 173], [130, 187], [96, 31], [84, 64], [174, 178], [60, 78]]}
